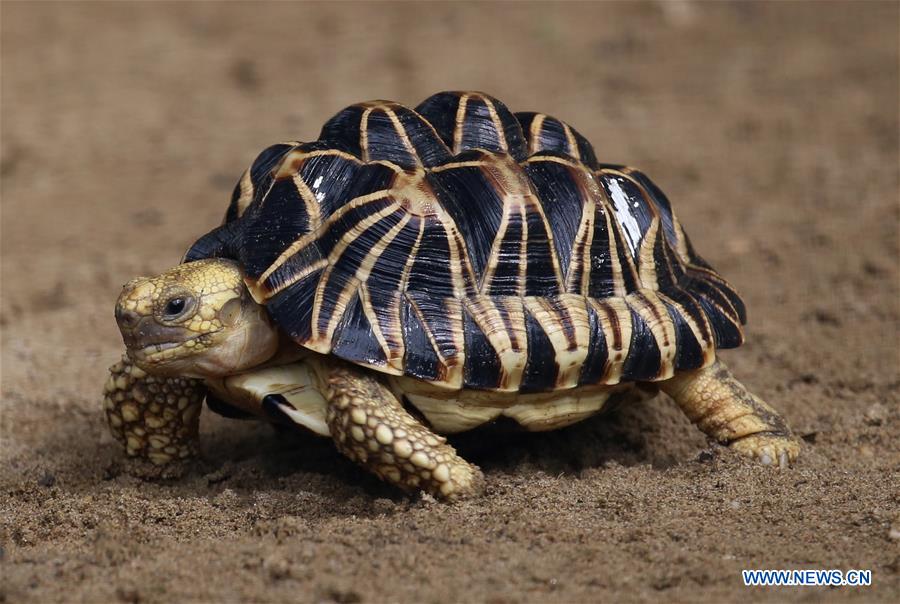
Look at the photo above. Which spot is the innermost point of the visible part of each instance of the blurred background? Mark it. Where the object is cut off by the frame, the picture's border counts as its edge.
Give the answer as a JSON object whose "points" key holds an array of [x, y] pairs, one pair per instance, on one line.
{"points": [[772, 126]]}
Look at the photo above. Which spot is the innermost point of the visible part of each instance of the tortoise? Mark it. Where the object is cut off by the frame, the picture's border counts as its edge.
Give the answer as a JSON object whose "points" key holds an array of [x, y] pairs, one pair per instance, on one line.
{"points": [[415, 273]]}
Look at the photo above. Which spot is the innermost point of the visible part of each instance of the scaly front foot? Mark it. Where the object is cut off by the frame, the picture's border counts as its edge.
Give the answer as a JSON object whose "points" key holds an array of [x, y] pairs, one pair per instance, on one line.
{"points": [[371, 427], [155, 418]]}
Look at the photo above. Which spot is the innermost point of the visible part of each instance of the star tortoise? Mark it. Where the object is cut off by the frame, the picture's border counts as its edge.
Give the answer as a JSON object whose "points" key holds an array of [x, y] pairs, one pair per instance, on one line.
{"points": [[421, 272]]}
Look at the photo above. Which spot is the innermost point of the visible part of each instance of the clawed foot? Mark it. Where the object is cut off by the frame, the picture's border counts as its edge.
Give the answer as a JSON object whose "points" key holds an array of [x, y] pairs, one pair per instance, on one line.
{"points": [[770, 449], [155, 418], [724, 409], [371, 427], [464, 480]]}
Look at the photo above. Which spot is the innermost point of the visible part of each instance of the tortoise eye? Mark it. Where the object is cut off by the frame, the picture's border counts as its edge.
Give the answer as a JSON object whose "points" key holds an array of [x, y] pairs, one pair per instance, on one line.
{"points": [[175, 306]]}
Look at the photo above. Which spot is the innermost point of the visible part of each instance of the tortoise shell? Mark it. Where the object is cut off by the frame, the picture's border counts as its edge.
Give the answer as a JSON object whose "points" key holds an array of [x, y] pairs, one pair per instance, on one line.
{"points": [[471, 247]]}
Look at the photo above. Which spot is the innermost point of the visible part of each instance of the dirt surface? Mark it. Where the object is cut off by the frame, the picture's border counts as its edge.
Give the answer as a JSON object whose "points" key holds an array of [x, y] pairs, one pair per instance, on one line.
{"points": [[772, 126]]}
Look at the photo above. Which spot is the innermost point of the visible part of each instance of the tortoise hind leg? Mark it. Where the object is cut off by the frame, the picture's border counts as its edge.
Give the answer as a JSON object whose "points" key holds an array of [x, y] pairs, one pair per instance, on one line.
{"points": [[371, 427], [725, 410]]}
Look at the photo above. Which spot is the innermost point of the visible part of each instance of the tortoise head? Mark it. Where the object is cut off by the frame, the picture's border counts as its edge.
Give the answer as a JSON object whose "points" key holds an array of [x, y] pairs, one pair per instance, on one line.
{"points": [[196, 319]]}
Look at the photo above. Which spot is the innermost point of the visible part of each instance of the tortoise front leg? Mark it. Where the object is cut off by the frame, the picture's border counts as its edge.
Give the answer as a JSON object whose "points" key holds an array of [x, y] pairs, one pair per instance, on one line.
{"points": [[155, 418], [724, 409], [371, 427]]}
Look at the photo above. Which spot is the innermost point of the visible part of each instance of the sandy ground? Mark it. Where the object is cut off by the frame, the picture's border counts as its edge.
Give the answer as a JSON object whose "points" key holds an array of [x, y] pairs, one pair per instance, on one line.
{"points": [[772, 126]]}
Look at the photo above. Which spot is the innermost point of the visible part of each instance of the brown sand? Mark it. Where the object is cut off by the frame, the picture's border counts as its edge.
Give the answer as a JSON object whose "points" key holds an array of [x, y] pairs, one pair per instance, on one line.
{"points": [[772, 126]]}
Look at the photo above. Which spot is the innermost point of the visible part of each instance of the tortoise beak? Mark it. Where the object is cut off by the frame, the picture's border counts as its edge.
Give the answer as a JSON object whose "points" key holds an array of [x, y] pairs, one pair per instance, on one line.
{"points": [[141, 332]]}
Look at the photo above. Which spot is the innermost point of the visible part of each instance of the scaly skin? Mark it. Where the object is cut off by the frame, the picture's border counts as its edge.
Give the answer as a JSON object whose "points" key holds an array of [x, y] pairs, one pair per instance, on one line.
{"points": [[724, 409], [371, 427], [155, 418], [219, 330]]}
